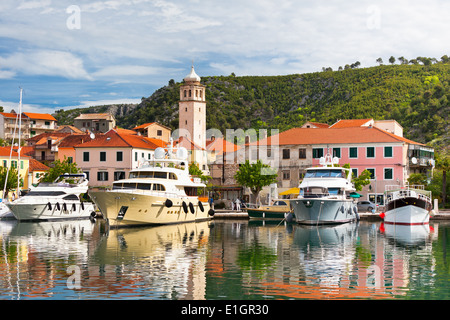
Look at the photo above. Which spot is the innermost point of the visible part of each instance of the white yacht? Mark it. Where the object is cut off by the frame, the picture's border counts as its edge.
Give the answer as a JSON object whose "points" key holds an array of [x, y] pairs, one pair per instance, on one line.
{"points": [[326, 195], [54, 201], [160, 191], [410, 205]]}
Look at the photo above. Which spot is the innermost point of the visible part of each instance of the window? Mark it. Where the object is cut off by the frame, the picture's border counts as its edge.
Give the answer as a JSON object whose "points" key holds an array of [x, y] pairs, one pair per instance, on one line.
{"points": [[119, 175], [286, 175], [159, 133], [355, 173], [70, 159], [21, 164], [135, 156], [102, 176], [388, 173], [317, 153], [286, 153], [388, 152], [5, 163], [119, 156], [87, 175], [370, 152], [353, 152], [158, 187], [102, 155], [337, 152], [372, 173], [86, 156], [302, 153]]}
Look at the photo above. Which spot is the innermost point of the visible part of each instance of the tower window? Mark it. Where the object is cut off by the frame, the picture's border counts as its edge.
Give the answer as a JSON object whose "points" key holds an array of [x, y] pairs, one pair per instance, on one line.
{"points": [[185, 109], [186, 122], [190, 93], [185, 93]]}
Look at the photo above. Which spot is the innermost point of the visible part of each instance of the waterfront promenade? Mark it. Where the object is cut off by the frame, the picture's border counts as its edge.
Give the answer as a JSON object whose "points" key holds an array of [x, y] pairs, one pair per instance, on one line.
{"points": [[443, 214]]}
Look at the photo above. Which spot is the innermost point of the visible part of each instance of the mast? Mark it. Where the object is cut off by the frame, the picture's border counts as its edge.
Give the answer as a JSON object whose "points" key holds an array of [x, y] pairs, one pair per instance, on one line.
{"points": [[19, 147]]}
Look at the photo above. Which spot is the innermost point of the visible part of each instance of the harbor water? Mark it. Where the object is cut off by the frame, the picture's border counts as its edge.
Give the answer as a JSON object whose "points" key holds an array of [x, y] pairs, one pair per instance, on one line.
{"points": [[224, 260]]}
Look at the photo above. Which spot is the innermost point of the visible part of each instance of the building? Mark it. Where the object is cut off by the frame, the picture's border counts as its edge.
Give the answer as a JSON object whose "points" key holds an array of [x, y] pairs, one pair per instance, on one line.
{"points": [[40, 123], [192, 116], [154, 130], [36, 171], [46, 145], [10, 159], [95, 122], [111, 156], [32, 124], [390, 158]]}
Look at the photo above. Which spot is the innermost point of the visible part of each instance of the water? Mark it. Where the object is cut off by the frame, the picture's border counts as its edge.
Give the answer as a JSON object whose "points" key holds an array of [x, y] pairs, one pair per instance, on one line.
{"points": [[223, 260]]}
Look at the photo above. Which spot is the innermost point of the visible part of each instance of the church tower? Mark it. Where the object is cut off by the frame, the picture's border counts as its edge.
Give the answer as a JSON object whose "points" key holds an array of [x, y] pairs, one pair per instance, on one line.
{"points": [[192, 116]]}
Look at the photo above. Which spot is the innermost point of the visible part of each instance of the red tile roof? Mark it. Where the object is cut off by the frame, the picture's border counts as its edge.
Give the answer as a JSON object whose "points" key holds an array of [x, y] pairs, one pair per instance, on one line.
{"points": [[113, 139], [143, 126], [37, 166], [39, 116], [310, 136], [219, 145], [350, 123], [73, 140], [5, 152]]}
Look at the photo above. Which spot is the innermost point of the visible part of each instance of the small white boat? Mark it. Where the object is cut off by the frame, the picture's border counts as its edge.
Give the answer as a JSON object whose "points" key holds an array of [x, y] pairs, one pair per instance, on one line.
{"points": [[326, 195], [53, 201], [5, 213], [410, 205]]}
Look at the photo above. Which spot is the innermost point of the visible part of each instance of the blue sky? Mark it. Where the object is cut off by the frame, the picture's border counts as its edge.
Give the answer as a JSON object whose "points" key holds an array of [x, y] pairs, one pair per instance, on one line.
{"points": [[72, 53]]}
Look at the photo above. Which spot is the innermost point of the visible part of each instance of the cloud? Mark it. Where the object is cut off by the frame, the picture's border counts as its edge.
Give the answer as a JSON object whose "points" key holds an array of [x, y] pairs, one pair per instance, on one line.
{"points": [[34, 4], [45, 63]]}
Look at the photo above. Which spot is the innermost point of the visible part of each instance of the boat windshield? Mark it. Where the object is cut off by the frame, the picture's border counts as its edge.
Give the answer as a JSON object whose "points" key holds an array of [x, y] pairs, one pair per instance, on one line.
{"points": [[138, 186], [44, 193], [333, 173], [152, 175]]}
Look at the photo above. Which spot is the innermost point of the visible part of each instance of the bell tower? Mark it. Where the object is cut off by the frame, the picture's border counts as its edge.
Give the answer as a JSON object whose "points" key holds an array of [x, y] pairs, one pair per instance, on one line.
{"points": [[192, 115]]}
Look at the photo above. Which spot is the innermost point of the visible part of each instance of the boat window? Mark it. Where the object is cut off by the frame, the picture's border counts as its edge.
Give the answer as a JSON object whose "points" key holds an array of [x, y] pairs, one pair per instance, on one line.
{"points": [[146, 174], [149, 174], [279, 203], [133, 175], [71, 197], [144, 186], [160, 175], [45, 193], [310, 174], [158, 187], [322, 173], [337, 173], [190, 191], [129, 186], [173, 176], [333, 191]]}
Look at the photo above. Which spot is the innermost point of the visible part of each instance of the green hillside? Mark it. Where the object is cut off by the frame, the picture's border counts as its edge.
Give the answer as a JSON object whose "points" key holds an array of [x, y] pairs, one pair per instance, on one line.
{"points": [[417, 96]]}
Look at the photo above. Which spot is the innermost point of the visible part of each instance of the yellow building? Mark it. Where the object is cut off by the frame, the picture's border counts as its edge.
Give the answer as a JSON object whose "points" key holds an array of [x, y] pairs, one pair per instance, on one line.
{"points": [[11, 160]]}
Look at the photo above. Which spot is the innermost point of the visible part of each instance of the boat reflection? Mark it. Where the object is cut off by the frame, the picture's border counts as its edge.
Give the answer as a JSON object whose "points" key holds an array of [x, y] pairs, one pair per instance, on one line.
{"points": [[171, 258], [409, 235]]}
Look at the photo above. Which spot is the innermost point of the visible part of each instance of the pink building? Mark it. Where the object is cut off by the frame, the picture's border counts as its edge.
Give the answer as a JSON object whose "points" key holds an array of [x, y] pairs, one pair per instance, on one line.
{"points": [[111, 156], [364, 144]]}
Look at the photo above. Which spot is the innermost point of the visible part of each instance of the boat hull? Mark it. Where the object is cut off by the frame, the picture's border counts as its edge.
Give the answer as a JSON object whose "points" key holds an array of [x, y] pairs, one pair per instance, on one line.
{"points": [[132, 209], [407, 215], [62, 211], [268, 214], [324, 211]]}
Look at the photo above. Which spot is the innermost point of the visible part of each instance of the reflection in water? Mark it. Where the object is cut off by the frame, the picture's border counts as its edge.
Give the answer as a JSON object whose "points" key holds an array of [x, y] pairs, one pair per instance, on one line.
{"points": [[224, 260]]}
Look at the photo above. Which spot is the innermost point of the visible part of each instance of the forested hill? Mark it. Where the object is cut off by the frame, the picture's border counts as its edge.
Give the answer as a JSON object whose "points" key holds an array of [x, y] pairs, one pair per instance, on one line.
{"points": [[417, 96]]}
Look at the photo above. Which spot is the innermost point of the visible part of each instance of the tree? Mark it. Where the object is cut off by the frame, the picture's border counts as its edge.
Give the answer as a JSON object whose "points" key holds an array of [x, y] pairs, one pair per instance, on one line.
{"points": [[362, 180], [443, 163], [380, 61], [12, 179], [392, 60], [195, 171], [255, 176], [417, 179], [59, 168]]}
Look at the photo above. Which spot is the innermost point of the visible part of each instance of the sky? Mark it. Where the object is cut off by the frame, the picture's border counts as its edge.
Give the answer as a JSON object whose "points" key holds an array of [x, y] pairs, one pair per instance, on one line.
{"points": [[75, 53]]}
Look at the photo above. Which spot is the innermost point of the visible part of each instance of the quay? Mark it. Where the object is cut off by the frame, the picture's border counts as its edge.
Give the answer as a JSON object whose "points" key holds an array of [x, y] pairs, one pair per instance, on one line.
{"points": [[443, 214]]}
